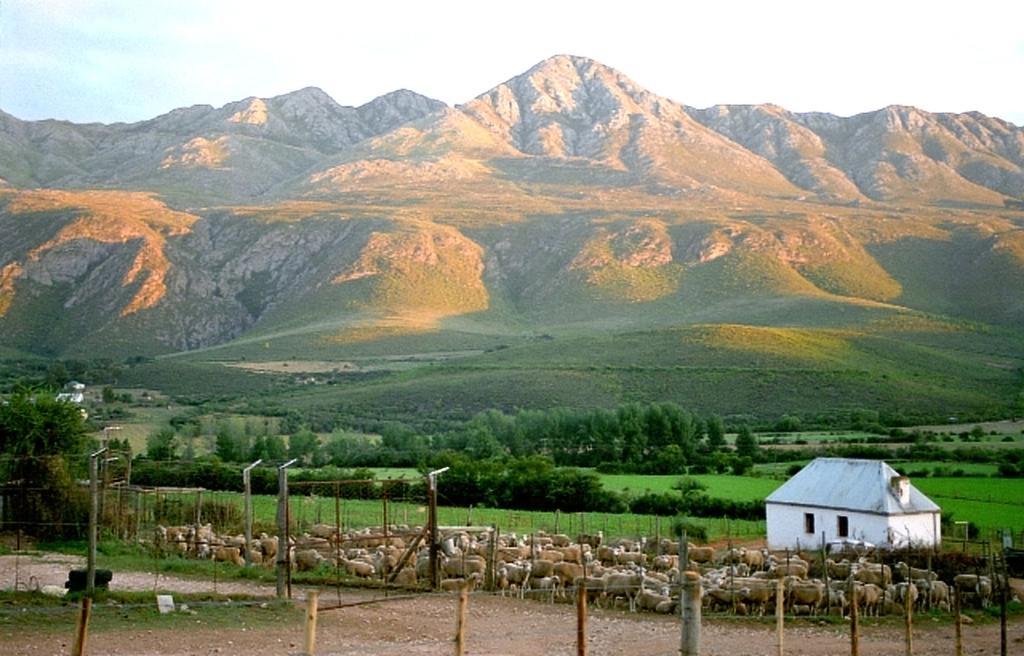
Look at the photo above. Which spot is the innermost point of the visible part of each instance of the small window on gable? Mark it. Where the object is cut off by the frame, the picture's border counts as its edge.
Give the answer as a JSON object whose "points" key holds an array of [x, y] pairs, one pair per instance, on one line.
{"points": [[843, 527], [809, 523]]}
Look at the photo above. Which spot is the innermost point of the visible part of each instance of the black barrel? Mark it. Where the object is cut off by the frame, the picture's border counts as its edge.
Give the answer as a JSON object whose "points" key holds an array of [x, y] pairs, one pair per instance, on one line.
{"points": [[77, 579]]}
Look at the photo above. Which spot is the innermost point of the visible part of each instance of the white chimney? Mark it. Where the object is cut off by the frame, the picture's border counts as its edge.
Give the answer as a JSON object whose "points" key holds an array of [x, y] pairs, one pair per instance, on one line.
{"points": [[900, 488]]}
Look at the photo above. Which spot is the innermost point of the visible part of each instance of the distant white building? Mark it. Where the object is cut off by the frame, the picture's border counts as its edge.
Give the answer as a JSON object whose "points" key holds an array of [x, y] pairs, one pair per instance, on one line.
{"points": [[847, 499], [74, 392]]}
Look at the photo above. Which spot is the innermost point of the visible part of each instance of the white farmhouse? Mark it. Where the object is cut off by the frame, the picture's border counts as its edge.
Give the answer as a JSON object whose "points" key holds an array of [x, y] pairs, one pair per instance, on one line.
{"points": [[74, 392], [847, 499]]}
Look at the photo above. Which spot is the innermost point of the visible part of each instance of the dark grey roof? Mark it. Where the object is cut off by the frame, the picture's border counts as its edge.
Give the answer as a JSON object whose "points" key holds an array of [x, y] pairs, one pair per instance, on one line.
{"points": [[850, 484]]}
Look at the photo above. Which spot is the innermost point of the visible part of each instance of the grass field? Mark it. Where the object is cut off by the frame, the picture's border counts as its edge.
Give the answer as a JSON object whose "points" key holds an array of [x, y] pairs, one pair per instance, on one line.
{"points": [[942, 469], [991, 503], [306, 511], [740, 488]]}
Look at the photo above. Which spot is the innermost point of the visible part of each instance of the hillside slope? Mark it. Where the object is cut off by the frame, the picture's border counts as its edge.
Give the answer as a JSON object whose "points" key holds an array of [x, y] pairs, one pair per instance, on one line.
{"points": [[566, 202]]}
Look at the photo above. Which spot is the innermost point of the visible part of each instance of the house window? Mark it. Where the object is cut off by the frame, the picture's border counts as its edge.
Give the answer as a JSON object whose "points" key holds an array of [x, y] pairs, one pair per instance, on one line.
{"points": [[843, 529], [809, 523]]}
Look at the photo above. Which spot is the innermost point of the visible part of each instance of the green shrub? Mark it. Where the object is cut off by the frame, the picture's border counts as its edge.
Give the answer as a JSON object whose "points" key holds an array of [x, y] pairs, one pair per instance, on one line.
{"points": [[694, 532]]}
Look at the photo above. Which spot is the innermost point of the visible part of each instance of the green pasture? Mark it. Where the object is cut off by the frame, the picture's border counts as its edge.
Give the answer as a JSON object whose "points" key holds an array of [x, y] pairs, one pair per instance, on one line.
{"points": [[999, 491], [777, 470], [739, 488], [943, 469], [304, 511]]}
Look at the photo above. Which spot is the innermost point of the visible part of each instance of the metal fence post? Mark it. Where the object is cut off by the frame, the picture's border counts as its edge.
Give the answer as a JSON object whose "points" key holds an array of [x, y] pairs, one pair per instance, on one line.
{"points": [[247, 482], [283, 557], [90, 572]]}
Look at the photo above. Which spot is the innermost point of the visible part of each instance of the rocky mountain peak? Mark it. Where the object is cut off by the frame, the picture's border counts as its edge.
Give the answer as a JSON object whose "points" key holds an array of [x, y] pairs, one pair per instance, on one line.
{"points": [[387, 112], [902, 118], [254, 113], [566, 106]]}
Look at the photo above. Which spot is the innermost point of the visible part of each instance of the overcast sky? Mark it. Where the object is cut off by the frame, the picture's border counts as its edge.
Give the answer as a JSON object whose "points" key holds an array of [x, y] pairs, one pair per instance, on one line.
{"points": [[128, 60]]}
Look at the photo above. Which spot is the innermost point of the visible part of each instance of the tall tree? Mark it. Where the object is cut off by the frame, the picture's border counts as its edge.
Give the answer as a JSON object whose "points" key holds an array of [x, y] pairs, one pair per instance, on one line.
{"points": [[716, 433], [40, 425], [746, 443], [162, 445], [46, 441], [303, 445]]}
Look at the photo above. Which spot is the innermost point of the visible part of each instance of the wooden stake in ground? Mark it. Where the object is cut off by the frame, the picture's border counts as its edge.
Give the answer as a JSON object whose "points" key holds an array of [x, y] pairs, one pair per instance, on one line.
{"points": [[780, 605], [1004, 583], [908, 615], [460, 619], [311, 609], [690, 602], [82, 630], [958, 626], [854, 624], [581, 618]]}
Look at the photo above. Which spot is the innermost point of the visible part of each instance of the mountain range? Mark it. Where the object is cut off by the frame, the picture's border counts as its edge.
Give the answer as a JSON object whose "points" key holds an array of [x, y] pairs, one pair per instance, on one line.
{"points": [[566, 201]]}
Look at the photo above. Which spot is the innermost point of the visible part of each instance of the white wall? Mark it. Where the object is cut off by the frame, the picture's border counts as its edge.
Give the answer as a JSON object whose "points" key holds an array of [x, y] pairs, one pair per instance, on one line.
{"points": [[786, 527], [921, 530]]}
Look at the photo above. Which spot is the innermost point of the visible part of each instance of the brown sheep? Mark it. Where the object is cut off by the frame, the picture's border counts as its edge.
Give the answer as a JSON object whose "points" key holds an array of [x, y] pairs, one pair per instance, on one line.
{"points": [[228, 555], [701, 555], [880, 575], [543, 568], [465, 566], [307, 559], [757, 596], [551, 555], [797, 569], [567, 573], [807, 593]]}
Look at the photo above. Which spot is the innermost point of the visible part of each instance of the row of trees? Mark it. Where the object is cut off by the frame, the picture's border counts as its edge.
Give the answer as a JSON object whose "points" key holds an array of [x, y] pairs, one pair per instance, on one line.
{"points": [[657, 438], [524, 483]]}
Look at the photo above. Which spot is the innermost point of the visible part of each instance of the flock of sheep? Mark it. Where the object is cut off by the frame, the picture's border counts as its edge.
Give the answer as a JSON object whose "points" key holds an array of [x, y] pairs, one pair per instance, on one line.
{"points": [[640, 574]]}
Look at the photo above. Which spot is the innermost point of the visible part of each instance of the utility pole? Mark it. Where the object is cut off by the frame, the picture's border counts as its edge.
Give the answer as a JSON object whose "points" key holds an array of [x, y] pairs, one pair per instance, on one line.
{"points": [[247, 482]]}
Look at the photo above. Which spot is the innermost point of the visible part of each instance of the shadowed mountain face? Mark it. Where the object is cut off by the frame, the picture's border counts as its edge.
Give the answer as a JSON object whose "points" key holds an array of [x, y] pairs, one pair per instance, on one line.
{"points": [[566, 198]]}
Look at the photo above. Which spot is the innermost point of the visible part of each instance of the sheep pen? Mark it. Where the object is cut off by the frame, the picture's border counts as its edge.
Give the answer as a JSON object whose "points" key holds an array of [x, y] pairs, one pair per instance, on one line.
{"points": [[631, 584]]}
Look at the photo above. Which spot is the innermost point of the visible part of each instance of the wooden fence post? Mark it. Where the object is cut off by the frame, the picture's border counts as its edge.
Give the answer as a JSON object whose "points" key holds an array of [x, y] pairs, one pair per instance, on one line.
{"points": [[928, 566], [581, 618], [908, 614], [824, 574], [311, 609], [854, 624], [82, 629], [780, 605], [690, 603], [958, 627], [492, 554], [460, 619], [1004, 583]]}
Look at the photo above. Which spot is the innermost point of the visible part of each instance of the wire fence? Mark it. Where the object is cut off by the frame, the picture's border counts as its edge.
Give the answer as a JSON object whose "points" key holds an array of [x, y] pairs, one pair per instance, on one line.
{"points": [[330, 527]]}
